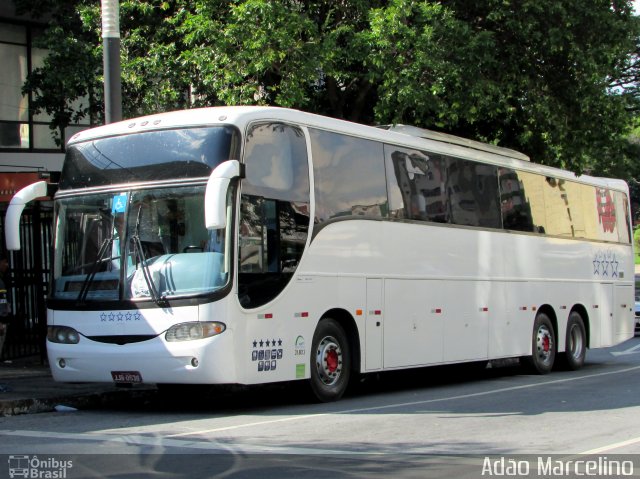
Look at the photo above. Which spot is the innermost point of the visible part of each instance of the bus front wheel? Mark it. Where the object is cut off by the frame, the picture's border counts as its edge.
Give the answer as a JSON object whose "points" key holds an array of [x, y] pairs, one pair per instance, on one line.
{"points": [[330, 361], [543, 352]]}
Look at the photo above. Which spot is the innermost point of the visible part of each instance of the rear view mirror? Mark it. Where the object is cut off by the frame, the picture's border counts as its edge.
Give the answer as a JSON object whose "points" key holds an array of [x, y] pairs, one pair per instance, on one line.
{"points": [[14, 211], [215, 196]]}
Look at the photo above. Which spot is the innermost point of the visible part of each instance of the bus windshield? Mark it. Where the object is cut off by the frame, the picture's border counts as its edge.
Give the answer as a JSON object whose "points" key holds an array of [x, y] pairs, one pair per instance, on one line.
{"points": [[130, 221], [148, 244]]}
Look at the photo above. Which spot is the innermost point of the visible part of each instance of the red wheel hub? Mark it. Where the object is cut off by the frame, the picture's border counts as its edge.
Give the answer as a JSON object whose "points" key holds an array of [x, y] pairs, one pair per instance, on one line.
{"points": [[332, 360]]}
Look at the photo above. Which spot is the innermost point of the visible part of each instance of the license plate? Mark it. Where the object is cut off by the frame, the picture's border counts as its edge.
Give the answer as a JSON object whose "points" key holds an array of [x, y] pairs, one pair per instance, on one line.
{"points": [[126, 377]]}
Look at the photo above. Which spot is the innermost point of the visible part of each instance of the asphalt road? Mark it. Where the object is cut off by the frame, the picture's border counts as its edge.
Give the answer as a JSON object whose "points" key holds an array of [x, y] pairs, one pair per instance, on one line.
{"points": [[434, 422]]}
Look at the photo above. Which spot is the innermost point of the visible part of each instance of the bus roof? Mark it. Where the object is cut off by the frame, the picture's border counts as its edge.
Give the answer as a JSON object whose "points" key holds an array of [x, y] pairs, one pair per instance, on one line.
{"points": [[404, 135]]}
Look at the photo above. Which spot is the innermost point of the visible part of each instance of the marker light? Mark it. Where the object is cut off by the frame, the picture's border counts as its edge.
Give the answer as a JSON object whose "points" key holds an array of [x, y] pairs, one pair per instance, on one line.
{"points": [[194, 330], [63, 335]]}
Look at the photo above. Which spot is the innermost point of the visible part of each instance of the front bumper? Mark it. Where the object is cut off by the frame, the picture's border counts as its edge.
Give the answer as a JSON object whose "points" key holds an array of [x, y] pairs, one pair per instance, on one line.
{"points": [[156, 360]]}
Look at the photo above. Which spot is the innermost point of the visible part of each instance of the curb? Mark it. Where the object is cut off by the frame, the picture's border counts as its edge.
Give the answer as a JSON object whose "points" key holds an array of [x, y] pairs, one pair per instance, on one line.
{"points": [[71, 403]]}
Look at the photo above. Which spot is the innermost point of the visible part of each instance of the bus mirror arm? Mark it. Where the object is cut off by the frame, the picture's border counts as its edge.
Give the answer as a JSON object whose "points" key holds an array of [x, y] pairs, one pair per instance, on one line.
{"points": [[215, 196], [16, 206]]}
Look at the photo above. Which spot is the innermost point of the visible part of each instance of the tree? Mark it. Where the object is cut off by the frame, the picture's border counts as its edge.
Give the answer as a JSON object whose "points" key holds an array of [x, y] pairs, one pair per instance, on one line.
{"points": [[533, 75], [556, 80]]}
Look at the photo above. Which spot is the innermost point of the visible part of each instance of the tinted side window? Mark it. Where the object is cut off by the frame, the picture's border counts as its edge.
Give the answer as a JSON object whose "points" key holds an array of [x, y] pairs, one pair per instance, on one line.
{"points": [[349, 177], [274, 211], [473, 193], [575, 208], [556, 203], [624, 225], [516, 210], [417, 185], [610, 218], [428, 186]]}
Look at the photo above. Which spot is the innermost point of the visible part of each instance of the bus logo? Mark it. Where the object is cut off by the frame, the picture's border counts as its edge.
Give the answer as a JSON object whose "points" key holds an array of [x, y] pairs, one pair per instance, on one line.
{"points": [[299, 349], [27, 466], [18, 466]]}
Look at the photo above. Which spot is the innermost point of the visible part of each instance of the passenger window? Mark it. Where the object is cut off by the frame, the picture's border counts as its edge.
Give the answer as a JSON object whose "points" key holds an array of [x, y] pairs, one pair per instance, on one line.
{"points": [[473, 193], [431, 187], [417, 185], [514, 204], [349, 177], [557, 211], [624, 225]]}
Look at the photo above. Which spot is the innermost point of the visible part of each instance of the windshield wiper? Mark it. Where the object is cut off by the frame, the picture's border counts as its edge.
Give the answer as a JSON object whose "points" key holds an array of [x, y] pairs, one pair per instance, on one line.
{"points": [[161, 301], [84, 291]]}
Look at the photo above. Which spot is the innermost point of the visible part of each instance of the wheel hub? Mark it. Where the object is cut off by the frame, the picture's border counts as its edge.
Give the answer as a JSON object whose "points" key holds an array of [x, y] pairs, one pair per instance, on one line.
{"points": [[544, 343], [329, 360]]}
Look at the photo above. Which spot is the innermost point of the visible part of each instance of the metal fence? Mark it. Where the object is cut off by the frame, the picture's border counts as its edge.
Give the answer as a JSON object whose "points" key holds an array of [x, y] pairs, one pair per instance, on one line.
{"points": [[28, 282]]}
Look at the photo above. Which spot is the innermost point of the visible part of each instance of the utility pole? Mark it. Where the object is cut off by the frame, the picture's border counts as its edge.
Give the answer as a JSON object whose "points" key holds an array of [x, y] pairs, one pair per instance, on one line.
{"points": [[111, 58]]}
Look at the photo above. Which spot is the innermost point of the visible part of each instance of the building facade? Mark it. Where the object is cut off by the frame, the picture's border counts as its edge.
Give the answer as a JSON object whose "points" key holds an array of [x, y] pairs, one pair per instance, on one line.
{"points": [[28, 152]]}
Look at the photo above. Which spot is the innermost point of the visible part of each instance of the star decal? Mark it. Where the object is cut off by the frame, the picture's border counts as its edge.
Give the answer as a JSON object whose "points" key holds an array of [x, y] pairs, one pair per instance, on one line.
{"points": [[605, 268], [614, 266]]}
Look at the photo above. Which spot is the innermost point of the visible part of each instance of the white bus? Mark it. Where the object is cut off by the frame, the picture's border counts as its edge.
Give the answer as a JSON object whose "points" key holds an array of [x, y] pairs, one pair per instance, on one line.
{"points": [[246, 245]]}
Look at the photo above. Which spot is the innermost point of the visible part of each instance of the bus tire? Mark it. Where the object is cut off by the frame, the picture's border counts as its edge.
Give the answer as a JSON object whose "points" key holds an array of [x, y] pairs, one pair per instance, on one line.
{"points": [[330, 361], [576, 343], [543, 347]]}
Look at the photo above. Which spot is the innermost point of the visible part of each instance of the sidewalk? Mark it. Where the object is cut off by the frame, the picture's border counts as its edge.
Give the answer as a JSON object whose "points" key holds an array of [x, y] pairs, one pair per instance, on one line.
{"points": [[27, 387]]}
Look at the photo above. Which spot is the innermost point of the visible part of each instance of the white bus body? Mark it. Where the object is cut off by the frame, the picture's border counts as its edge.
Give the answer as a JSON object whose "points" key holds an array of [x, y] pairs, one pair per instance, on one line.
{"points": [[342, 249]]}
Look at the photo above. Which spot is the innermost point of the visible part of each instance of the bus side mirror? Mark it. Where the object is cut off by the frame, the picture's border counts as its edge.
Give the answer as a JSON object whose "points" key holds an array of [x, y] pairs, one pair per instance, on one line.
{"points": [[14, 211], [215, 196]]}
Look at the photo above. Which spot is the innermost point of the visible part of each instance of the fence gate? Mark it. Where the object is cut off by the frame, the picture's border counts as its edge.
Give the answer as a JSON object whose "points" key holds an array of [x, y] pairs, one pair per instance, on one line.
{"points": [[28, 282]]}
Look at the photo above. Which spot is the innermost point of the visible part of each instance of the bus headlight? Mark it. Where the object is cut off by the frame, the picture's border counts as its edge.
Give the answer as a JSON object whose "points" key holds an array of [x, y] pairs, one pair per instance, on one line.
{"points": [[63, 335], [195, 330]]}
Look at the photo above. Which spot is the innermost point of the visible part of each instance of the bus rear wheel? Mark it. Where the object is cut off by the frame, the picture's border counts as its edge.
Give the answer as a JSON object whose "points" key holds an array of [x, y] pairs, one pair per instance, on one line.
{"points": [[576, 343], [330, 361], [543, 352]]}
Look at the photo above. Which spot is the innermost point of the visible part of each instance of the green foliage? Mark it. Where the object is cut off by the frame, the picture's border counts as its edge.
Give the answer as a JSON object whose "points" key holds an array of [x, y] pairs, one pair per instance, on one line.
{"points": [[533, 75], [556, 80]]}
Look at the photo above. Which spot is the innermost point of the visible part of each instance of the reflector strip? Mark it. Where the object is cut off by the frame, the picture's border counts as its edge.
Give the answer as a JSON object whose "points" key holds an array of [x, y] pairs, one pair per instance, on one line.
{"points": [[523, 308], [358, 312], [265, 316], [595, 306], [484, 310], [304, 314], [436, 311], [563, 307]]}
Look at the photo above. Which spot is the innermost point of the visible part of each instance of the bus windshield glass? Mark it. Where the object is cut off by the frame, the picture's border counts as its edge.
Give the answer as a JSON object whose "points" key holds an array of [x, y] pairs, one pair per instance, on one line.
{"points": [[148, 244], [138, 233], [149, 156]]}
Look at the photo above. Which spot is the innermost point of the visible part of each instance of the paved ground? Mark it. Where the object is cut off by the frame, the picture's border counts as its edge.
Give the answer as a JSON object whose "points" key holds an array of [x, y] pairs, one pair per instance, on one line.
{"points": [[430, 423]]}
